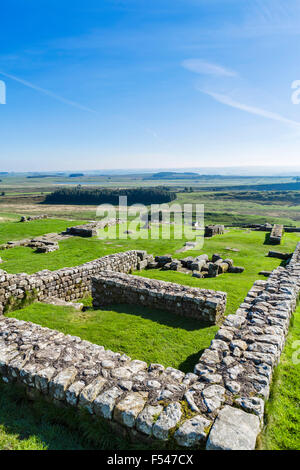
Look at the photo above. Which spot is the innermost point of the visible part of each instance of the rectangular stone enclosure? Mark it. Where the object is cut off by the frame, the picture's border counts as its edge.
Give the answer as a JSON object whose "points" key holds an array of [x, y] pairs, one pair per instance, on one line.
{"points": [[202, 304]]}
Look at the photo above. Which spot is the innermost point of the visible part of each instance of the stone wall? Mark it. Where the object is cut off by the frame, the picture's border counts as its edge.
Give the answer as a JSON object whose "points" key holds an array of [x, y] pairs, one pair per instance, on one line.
{"points": [[276, 234], [202, 304], [225, 394], [245, 351], [211, 230], [67, 283], [91, 229]]}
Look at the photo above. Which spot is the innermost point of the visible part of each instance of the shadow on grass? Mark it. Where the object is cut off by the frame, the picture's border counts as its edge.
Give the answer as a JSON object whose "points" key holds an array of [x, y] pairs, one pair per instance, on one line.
{"points": [[189, 363], [162, 317]]}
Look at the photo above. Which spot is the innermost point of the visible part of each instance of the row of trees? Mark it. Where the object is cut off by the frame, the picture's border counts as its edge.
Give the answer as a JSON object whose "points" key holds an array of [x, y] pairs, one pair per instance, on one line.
{"points": [[79, 195]]}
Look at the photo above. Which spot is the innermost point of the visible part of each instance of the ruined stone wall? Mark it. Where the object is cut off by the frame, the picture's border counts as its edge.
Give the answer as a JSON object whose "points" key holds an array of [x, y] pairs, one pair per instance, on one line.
{"points": [[225, 394], [28, 218], [67, 283], [211, 230], [202, 304], [247, 347], [276, 234]]}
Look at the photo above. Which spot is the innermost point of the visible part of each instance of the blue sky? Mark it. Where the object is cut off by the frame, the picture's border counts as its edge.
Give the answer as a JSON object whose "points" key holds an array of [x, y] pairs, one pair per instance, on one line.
{"points": [[149, 83]]}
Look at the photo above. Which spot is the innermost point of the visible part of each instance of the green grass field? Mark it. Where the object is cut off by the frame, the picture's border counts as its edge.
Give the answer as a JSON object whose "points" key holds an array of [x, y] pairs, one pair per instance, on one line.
{"points": [[142, 333]]}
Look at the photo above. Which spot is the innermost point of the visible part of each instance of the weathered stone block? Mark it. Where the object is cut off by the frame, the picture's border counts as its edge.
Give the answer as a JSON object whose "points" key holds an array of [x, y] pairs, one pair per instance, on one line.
{"points": [[192, 432], [167, 420], [127, 410], [233, 429]]}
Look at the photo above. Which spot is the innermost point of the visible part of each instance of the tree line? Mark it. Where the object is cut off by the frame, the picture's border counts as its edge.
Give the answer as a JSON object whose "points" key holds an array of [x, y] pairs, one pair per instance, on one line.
{"points": [[79, 195]]}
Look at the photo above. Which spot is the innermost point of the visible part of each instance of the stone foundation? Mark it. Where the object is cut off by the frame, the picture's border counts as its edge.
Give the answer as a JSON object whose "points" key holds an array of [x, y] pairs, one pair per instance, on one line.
{"points": [[28, 218], [116, 288], [225, 395], [67, 283], [91, 229], [211, 230], [276, 234]]}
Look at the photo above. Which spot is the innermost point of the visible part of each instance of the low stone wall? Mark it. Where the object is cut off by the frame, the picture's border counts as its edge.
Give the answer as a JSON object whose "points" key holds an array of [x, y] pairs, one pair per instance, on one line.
{"points": [[291, 229], [279, 255], [276, 234], [259, 227], [28, 218], [225, 395], [245, 351], [67, 370], [202, 304], [67, 283], [91, 229], [211, 230]]}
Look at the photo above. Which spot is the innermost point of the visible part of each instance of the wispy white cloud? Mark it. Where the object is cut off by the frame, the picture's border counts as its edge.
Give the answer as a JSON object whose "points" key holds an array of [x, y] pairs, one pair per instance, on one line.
{"points": [[47, 92], [228, 101], [206, 68]]}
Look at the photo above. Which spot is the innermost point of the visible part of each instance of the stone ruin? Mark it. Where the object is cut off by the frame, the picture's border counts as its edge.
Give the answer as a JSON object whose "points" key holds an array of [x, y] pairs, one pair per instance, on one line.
{"points": [[267, 227], [279, 255], [276, 234], [225, 394], [28, 218], [200, 266], [68, 283], [43, 244], [91, 229], [117, 288], [276, 231], [49, 242]]}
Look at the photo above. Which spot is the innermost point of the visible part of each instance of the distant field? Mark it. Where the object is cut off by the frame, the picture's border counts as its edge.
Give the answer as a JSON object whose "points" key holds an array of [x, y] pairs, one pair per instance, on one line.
{"points": [[18, 230], [232, 207], [138, 179]]}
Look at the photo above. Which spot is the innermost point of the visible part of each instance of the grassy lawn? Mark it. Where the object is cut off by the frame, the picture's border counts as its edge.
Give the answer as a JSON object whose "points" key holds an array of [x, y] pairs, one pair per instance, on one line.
{"points": [[282, 418], [77, 250], [19, 230]]}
